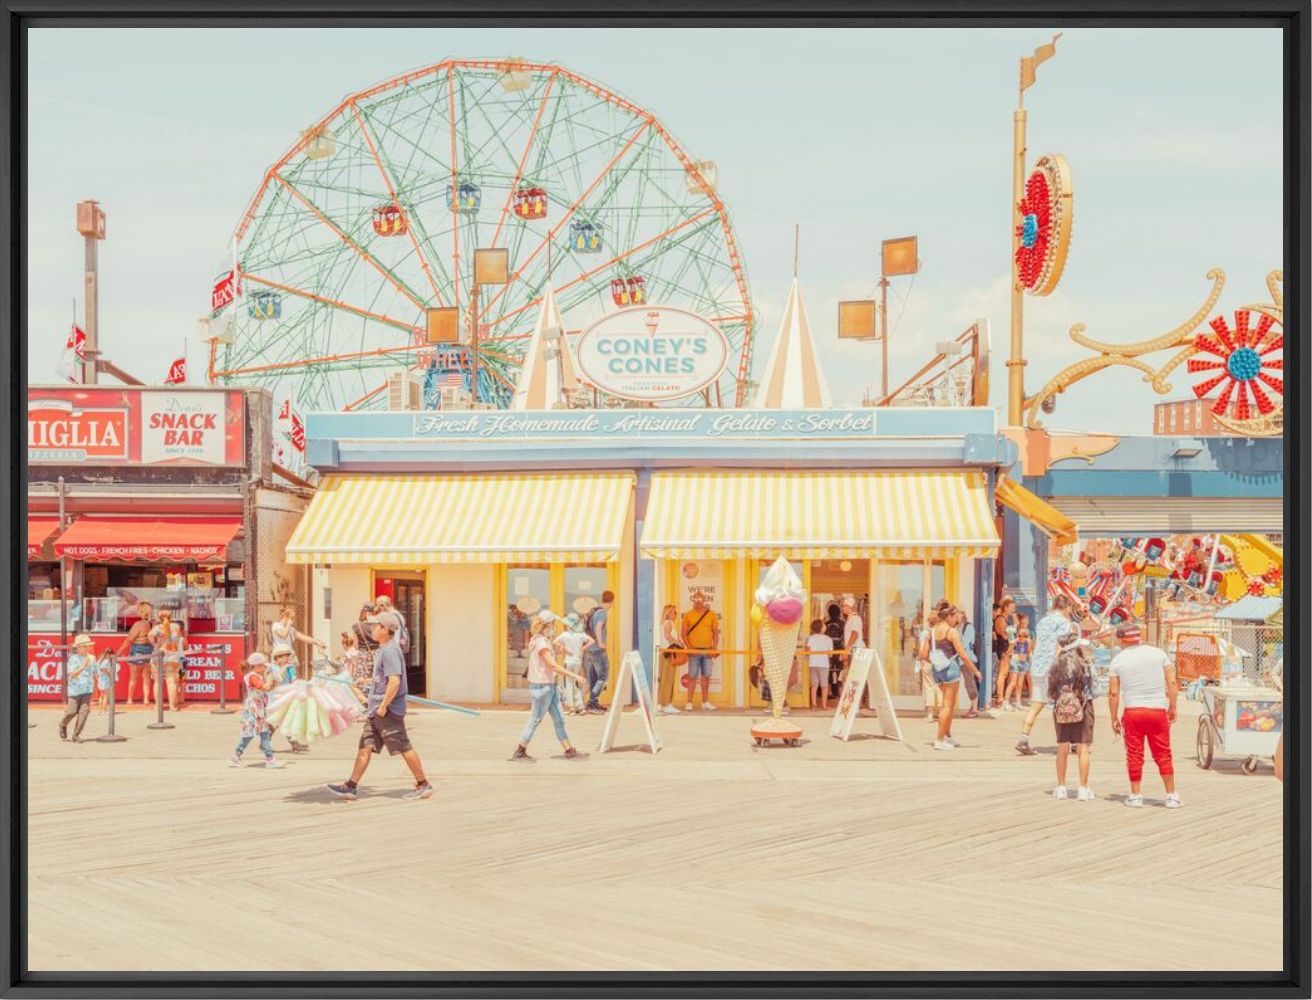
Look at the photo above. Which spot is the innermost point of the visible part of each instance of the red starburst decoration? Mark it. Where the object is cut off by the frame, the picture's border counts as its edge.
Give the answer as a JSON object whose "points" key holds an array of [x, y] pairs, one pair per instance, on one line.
{"points": [[1035, 230], [1244, 367]]}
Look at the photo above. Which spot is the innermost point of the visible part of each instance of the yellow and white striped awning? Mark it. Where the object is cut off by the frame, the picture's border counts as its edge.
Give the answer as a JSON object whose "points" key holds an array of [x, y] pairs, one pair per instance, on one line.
{"points": [[819, 515], [416, 520]]}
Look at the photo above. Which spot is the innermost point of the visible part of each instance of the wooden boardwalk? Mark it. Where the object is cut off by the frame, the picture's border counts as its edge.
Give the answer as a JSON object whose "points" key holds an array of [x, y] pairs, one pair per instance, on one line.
{"points": [[152, 854]]}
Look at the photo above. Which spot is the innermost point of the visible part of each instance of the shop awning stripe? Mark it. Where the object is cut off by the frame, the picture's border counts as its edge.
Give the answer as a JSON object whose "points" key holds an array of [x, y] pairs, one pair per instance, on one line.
{"points": [[819, 515], [39, 530], [417, 520]]}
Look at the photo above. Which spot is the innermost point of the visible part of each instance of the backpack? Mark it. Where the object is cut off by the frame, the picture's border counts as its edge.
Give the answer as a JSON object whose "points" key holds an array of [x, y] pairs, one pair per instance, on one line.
{"points": [[1069, 706], [402, 634], [588, 621]]}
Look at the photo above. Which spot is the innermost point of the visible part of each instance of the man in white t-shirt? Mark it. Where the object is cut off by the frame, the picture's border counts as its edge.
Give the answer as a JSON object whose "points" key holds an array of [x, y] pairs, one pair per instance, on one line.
{"points": [[1143, 684]]}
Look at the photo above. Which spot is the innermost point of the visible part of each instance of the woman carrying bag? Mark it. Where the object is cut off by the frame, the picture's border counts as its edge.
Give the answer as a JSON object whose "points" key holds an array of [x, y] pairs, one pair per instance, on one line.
{"points": [[672, 658]]}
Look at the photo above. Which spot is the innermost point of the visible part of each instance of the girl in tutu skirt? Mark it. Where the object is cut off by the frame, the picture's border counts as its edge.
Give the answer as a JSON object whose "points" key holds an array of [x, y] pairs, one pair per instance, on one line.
{"points": [[313, 708]]}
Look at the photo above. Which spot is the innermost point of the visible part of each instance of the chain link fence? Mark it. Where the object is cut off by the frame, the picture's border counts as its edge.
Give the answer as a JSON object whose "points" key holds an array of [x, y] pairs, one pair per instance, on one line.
{"points": [[275, 584]]}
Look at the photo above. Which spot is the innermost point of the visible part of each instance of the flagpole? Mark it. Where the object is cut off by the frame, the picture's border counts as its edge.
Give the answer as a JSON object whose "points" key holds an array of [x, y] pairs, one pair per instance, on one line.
{"points": [[1016, 363]]}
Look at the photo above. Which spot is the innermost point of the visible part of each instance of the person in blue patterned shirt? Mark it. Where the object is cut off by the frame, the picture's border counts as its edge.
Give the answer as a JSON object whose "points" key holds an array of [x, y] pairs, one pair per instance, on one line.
{"points": [[1051, 627], [80, 669]]}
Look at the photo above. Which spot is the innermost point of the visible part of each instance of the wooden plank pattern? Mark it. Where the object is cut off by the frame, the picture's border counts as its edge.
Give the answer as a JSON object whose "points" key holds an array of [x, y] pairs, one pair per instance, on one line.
{"points": [[713, 854]]}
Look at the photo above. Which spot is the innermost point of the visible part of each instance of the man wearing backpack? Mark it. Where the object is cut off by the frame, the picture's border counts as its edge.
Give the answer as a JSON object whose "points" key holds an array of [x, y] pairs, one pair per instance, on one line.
{"points": [[1051, 627], [598, 657]]}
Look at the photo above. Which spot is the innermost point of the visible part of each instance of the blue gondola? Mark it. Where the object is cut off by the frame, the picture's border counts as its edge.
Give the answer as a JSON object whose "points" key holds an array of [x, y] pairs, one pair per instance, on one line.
{"points": [[468, 197], [585, 237], [264, 305]]}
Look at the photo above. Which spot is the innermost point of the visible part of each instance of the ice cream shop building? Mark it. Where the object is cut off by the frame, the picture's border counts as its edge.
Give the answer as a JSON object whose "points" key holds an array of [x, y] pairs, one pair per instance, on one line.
{"points": [[474, 521]]}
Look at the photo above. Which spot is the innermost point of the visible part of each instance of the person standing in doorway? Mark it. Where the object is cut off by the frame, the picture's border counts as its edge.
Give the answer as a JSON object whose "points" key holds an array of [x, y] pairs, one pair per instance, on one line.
{"points": [[1143, 684], [700, 632], [927, 686], [138, 645], [672, 659], [542, 672], [820, 646], [385, 724], [1051, 627], [598, 655], [1070, 691], [81, 672]]}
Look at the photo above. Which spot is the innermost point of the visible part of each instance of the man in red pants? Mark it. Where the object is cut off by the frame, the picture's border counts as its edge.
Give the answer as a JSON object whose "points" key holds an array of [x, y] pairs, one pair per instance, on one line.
{"points": [[1143, 683]]}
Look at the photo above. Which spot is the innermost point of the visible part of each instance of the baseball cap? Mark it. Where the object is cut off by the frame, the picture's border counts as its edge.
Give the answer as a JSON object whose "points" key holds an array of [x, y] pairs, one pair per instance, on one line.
{"points": [[82, 640], [367, 606], [387, 623], [257, 660], [1129, 632]]}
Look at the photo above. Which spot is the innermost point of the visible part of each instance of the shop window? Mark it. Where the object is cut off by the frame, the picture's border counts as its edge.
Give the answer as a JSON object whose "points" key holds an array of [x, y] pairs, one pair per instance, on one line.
{"points": [[528, 591]]}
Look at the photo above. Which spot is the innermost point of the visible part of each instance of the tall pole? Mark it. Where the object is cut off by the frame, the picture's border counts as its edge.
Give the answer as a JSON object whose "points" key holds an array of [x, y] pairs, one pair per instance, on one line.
{"points": [[91, 225], [63, 598], [473, 333], [883, 327], [1016, 363]]}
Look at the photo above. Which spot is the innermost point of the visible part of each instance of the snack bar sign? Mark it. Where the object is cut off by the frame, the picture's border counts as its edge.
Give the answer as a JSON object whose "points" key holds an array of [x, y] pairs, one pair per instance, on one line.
{"points": [[93, 426]]}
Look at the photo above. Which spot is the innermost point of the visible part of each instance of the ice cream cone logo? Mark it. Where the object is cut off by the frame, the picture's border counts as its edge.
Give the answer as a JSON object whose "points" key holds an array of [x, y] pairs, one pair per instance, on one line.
{"points": [[652, 321]]}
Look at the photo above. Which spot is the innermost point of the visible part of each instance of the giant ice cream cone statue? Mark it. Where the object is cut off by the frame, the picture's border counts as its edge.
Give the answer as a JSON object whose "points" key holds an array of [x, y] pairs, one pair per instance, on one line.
{"points": [[782, 602]]}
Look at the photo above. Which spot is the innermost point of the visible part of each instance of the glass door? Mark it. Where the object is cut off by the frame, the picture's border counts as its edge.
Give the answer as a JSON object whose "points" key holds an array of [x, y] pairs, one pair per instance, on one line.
{"points": [[899, 611], [528, 591]]}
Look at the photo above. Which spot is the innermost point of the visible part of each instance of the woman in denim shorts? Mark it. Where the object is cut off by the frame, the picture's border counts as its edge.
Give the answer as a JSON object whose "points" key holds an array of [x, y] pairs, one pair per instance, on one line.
{"points": [[946, 655]]}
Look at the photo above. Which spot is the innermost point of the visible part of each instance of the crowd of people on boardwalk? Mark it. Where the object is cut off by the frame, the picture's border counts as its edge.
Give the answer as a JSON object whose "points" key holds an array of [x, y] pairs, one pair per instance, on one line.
{"points": [[312, 696]]}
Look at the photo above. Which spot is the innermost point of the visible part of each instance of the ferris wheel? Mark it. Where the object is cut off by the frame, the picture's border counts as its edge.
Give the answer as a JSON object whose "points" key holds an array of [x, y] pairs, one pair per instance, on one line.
{"points": [[366, 229]]}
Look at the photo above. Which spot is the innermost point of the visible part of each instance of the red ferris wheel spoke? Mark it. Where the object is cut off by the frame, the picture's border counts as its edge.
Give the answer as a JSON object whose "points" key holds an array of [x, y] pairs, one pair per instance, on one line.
{"points": [[335, 303], [391, 192], [551, 233], [364, 254], [691, 220], [528, 147]]}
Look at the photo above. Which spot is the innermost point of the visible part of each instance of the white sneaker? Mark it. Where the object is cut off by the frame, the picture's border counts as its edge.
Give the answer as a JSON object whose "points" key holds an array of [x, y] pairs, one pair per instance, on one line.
{"points": [[1059, 792], [708, 707], [235, 761], [1085, 795], [1008, 707], [1173, 801], [688, 707], [944, 745], [931, 717], [949, 739], [1134, 801], [670, 710]]}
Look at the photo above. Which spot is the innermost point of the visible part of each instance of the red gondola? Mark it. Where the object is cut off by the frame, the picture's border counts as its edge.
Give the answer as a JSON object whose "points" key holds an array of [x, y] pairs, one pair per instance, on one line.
{"points": [[389, 220], [531, 203], [619, 291], [637, 290], [1154, 549]]}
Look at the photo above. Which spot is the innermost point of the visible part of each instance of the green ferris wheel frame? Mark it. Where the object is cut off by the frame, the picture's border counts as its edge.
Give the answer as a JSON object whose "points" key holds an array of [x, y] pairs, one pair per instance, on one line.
{"points": [[372, 217]]}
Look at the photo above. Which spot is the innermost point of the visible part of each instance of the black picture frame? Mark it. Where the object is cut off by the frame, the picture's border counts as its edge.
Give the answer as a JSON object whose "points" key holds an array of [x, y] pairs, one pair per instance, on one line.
{"points": [[1293, 17]]}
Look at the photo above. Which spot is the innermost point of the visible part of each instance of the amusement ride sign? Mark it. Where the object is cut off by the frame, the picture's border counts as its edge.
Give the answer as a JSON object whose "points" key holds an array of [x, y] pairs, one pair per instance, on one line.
{"points": [[650, 353]]}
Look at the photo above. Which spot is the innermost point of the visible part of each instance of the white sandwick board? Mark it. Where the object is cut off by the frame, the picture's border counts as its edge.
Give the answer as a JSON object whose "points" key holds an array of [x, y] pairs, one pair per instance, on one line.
{"points": [[631, 669], [866, 669]]}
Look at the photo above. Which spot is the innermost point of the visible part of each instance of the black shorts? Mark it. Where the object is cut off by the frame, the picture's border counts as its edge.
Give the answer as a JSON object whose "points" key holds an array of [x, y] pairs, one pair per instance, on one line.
{"points": [[389, 731], [1077, 732]]}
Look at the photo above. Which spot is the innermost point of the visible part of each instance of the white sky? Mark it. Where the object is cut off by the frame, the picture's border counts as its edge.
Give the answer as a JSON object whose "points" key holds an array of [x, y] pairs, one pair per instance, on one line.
{"points": [[1173, 137]]}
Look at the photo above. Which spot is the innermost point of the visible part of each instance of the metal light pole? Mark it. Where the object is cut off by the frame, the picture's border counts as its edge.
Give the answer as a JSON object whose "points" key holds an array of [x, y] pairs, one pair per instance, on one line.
{"points": [[91, 224]]}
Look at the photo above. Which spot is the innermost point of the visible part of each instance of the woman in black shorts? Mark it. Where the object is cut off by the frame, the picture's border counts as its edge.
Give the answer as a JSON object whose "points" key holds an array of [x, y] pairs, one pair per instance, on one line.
{"points": [[1070, 690]]}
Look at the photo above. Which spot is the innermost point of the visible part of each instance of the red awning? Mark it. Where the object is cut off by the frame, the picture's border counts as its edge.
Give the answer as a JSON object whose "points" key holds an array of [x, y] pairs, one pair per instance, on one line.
{"points": [[118, 539], [39, 530]]}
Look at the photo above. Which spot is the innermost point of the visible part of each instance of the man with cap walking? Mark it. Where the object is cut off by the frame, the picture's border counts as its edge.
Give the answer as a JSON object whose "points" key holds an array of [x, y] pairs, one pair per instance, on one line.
{"points": [[385, 722], [81, 677], [1143, 684]]}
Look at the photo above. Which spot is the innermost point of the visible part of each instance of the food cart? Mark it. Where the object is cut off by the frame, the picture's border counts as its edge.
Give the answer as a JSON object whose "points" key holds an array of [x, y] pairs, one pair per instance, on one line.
{"points": [[1241, 720]]}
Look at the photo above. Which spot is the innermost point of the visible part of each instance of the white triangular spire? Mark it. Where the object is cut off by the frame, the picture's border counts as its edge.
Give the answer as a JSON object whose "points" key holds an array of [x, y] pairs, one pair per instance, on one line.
{"points": [[793, 378], [548, 371]]}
